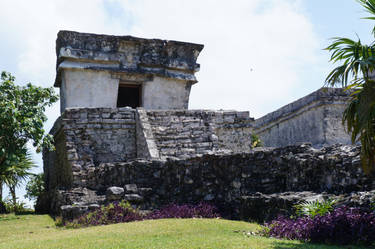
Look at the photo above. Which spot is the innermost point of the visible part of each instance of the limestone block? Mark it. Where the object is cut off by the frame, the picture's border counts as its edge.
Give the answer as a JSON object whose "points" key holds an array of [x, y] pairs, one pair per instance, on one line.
{"points": [[131, 188], [133, 198], [114, 193]]}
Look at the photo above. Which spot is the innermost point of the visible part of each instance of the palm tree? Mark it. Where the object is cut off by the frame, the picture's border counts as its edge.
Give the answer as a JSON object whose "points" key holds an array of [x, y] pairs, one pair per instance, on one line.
{"points": [[12, 175], [357, 74]]}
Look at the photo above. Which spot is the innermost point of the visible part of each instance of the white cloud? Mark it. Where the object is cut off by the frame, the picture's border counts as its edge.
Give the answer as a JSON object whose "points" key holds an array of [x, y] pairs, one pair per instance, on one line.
{"points": [[253, 49]]}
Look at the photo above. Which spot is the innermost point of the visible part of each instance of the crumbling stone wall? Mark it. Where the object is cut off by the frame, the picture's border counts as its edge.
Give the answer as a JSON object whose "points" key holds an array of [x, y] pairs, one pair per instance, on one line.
{"points": [[87, 137], [234, 130], [100, 148], [315, 118], [237, 183], [57, 170], [196, 132], [84, 138], [225, 177]]}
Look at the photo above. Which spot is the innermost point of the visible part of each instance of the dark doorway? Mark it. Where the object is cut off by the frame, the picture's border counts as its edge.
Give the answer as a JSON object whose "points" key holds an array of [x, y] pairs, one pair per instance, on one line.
{"points": [[129, 95]]}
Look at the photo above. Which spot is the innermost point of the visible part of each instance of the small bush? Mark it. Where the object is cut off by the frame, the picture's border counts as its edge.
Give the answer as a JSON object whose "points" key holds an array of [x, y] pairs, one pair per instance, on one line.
{"points": [[3, 208], [118, 212], [314, 208], [35, 186], [255, 141], [343, 225], [19, 208], [59, 222], [113, 213]]}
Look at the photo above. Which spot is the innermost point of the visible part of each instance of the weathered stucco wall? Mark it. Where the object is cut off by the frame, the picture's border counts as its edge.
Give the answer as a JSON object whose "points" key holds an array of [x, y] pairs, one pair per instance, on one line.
{"points": [[90, 68], [315, 118], [88, 88], [163, 93]]}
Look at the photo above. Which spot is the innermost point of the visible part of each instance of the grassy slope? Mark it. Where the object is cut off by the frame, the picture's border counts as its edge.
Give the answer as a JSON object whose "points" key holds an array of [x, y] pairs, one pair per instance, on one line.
{"points": [[39, 231]]}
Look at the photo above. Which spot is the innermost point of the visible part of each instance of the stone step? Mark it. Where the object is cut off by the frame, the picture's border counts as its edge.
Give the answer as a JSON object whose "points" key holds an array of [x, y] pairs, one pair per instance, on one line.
{"points": [[185, 133]]}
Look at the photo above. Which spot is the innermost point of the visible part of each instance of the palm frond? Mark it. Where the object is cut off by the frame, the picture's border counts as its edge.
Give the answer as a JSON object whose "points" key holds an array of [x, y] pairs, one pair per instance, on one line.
{"points": [[359, 118], [18, 171], [369, 6], [357, 59]]}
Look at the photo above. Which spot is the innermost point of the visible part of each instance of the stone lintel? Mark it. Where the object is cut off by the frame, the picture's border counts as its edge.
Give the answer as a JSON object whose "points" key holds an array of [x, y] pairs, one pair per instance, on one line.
{"points": [[127, 55]]}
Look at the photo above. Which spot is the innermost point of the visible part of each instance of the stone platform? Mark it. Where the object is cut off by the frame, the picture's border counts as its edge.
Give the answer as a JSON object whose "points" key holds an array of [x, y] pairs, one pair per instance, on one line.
{"points": [[152, 174]]}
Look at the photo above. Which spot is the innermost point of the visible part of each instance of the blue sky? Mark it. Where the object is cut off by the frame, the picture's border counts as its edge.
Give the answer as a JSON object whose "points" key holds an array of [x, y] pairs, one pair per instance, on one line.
{"points": [[259, 54]]}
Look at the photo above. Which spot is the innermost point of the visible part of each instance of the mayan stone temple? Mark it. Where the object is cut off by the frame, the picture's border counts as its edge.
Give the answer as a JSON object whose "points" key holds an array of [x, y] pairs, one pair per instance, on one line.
{"points": [[126, 133]]}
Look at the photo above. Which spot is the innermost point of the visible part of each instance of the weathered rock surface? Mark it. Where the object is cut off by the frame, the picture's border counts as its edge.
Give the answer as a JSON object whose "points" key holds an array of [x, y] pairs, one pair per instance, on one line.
{"points": [[265, 207], [171, 59], [114, 194], [239, 184], [187, 133], [315, 118]]}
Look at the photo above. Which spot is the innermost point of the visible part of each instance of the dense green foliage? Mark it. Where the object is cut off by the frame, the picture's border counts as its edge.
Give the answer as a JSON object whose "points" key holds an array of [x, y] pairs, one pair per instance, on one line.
{"points": [[35, 186], [39, 231], [314, 208], [18, 208], [21, 120], [357, 73]]}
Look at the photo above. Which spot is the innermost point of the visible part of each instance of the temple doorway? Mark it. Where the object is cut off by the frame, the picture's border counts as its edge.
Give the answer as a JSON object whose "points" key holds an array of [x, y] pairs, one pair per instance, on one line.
{"points": [[129, 95]]}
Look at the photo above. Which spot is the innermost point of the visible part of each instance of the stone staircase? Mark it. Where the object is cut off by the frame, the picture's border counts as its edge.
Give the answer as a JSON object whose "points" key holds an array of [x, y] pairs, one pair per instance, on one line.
{"points": [[182, 133]]}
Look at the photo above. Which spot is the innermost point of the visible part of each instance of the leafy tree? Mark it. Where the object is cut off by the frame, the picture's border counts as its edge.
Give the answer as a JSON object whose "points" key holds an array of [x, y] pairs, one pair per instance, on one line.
{"points": [[21, 120], [35, 186], [357, 73]]}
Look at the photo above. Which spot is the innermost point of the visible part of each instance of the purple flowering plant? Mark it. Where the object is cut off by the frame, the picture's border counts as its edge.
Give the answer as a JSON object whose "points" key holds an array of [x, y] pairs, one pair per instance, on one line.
{"points": [[344, 225], [118, 212]]}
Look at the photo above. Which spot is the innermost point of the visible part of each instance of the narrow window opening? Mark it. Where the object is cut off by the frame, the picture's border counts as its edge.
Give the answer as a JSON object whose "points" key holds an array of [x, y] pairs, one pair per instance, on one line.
{"points": [[129, 95]]}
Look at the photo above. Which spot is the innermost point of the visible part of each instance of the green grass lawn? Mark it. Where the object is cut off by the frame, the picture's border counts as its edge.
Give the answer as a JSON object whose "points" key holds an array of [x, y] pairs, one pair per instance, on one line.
{"points": [[39, 231]]}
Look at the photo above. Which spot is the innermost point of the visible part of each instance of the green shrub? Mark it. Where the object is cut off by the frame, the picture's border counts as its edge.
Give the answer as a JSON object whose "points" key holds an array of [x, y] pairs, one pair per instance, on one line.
{"points": [[255, 141], [19, 208], [35, 186], [59, 222], [314, 208]]}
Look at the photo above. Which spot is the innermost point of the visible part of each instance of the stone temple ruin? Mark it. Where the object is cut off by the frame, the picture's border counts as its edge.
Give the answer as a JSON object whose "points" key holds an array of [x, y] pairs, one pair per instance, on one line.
{"points": [[125, 132]]}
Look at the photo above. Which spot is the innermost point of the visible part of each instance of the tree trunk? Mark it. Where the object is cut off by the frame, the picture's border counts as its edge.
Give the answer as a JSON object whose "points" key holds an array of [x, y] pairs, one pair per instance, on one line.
{"points": [[12, 190], [1, 191]]}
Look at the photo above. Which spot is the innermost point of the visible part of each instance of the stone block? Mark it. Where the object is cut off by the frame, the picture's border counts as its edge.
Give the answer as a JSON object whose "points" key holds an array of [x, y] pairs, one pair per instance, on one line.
{"points": [[131, 188], [133, 198], [114, 193]]}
